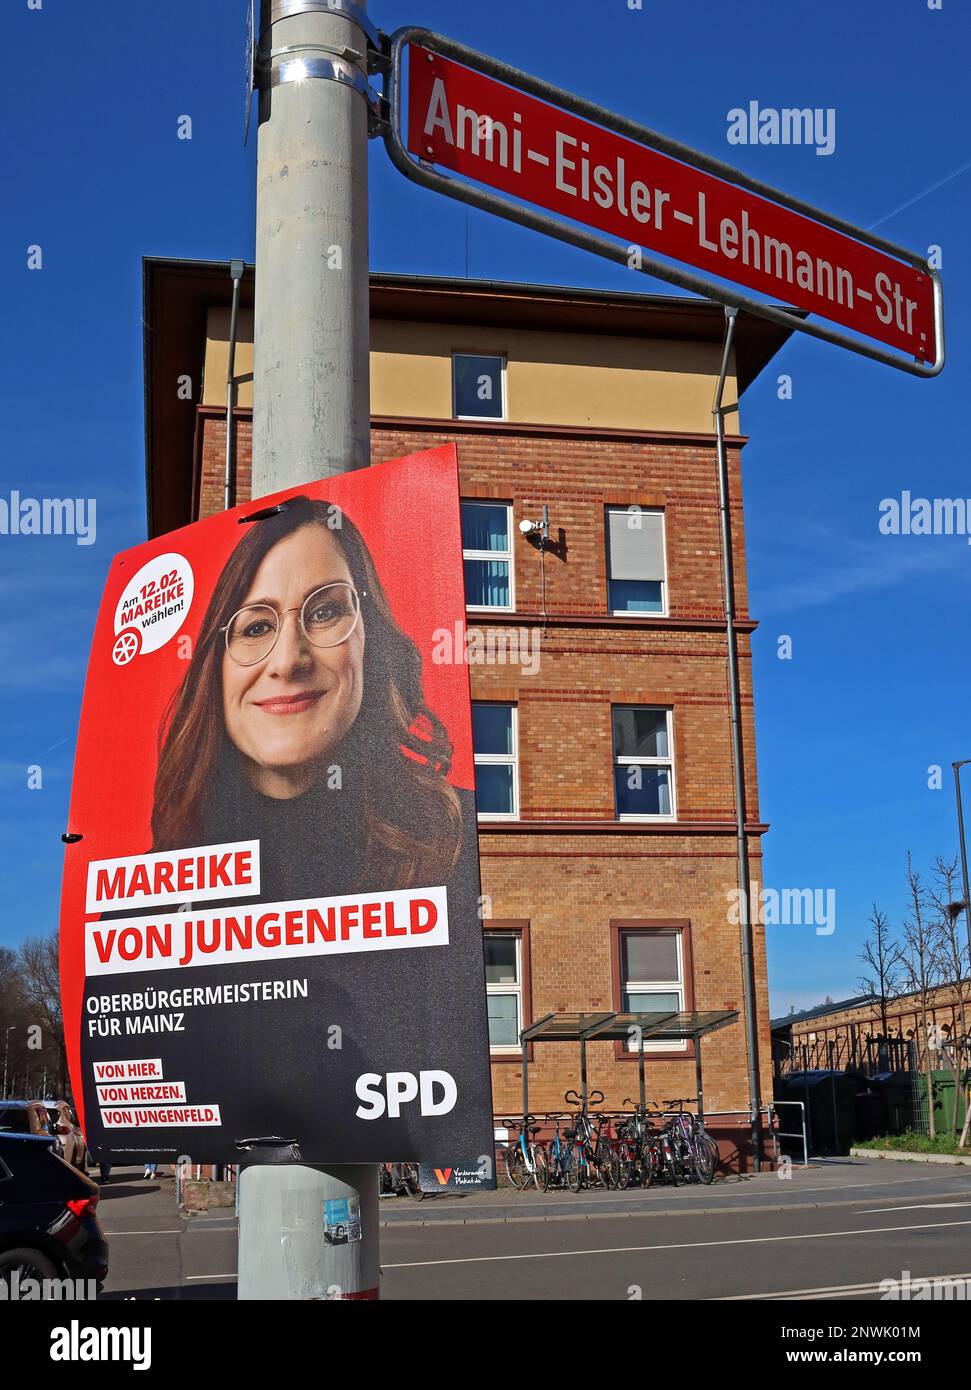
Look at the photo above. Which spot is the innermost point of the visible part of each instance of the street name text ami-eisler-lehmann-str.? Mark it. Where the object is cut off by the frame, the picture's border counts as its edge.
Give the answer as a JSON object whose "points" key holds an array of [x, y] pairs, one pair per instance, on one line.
{"points": [[482, 129]]}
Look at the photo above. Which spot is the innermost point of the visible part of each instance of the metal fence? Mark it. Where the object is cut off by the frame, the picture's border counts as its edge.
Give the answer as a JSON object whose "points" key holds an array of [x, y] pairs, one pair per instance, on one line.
{"points": [[870, 1056]]}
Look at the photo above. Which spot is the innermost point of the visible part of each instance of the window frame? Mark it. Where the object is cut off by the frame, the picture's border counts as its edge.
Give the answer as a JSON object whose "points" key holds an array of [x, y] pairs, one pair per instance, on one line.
{"points": [[503, 361], [655, 987], [508, 1056], [501, 760], [664, 611], [508, 1049], [675, 1051], [507, 555], [643, 817]]}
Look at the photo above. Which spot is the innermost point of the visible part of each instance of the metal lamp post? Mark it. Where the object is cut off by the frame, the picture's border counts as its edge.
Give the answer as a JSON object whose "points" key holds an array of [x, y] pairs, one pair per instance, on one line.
{"points": [[6, 1052]]}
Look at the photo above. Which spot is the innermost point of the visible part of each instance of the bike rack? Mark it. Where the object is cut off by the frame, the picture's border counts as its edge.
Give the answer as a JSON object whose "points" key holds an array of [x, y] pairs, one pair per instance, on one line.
{"points": [[778, 1134], [624, 1027]]}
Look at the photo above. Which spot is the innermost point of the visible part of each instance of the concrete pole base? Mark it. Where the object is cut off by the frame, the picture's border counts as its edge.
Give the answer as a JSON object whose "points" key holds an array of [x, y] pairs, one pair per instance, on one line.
{"points": [[308, 1233]]}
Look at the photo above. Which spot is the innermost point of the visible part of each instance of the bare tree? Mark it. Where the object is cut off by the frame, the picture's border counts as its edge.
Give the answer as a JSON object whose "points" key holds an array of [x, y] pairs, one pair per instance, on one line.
{"points": [[882, 954], [13, 1017], [37, 965], [920, 963], [952, 945]]}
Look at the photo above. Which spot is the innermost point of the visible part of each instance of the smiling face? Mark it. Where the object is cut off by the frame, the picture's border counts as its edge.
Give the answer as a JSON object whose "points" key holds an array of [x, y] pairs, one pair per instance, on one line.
{"points": [[287, 713]]}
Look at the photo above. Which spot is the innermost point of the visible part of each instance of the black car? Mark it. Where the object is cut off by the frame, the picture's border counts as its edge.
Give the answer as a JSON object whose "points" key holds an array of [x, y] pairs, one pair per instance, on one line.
{"points": [[26, 1117], [49, 1227]]}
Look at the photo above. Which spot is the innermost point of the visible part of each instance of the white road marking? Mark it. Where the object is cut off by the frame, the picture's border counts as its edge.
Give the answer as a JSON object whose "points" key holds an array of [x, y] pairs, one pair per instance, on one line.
{"points": [[190, 1277], [179, 1232], [115, 1234], [836, 1291], [922, 1206], [686, 1245]]}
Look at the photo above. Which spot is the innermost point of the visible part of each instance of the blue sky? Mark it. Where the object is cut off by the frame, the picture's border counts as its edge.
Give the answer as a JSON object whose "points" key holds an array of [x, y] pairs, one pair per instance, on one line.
{"points": [[876, 691]]}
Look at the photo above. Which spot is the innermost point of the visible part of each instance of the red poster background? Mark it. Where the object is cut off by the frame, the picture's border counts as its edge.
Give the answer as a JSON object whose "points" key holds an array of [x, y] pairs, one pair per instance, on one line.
{"points": [[408, 513]]}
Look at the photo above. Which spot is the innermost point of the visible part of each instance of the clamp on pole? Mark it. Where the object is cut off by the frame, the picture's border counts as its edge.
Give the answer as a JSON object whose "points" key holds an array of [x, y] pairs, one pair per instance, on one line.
{"points": [[343, 9], [352, 55], [330, 70], [344, 64]]}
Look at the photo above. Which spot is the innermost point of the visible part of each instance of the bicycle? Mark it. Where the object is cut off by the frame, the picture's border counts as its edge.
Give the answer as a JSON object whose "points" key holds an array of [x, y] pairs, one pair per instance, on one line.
{"points": [[557, 1154], [638, 1151], [399, 1180], [695, 1150], [525, 1158], [581, 1162], [659, 1152], [606, 1155]]}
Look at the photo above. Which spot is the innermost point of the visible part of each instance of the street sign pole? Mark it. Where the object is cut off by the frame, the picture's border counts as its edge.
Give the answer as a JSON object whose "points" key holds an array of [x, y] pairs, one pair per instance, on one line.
{"points": [[311, 407], [311, 419]]}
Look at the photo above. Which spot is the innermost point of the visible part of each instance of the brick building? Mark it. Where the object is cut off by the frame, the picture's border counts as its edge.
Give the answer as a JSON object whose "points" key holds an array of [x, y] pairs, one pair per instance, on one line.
{"points": [[604, 771], [850, 1033]]}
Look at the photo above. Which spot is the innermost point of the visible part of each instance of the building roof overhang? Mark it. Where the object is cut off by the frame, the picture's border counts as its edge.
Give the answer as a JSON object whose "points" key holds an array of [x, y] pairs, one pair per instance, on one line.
{"points": [[177, 295]]}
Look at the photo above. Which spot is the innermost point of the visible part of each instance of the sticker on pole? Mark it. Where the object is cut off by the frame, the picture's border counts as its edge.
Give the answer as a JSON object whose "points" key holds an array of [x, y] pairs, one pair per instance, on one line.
{"points": [[342, 1220], [152, 608]]}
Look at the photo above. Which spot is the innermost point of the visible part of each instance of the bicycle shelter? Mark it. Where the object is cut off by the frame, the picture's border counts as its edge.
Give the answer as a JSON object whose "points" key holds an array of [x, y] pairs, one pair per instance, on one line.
{"points": [[623, 1027]]}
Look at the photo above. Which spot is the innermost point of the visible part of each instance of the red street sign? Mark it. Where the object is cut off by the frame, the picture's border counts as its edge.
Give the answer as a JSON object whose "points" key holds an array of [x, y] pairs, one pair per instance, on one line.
{"points": [[496, 134]]}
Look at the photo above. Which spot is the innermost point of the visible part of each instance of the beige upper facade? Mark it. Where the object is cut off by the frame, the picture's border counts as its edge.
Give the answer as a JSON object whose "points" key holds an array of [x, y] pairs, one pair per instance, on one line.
{"points": [[604, 364], [562, 378]]}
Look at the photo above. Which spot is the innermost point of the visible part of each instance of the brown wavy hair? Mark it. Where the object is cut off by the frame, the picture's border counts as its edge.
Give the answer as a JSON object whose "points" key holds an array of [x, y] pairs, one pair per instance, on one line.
{"points": [[412, 816]]}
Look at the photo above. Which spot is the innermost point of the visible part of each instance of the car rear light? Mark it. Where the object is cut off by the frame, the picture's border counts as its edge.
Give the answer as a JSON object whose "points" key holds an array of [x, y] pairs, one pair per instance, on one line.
{"points": [[82, 1206]]}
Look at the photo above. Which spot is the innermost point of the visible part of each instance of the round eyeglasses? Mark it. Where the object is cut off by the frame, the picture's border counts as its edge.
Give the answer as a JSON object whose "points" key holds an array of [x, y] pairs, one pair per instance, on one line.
{"points": [[327, 618]]}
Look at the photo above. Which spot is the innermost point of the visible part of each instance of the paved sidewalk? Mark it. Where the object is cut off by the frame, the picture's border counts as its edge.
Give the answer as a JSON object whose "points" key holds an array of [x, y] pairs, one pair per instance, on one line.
{"points": [[903, 1156], [826, 1182]]}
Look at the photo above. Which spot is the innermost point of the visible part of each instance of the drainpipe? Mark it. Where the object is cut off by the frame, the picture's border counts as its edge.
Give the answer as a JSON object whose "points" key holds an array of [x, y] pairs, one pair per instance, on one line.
{"points": [[229, 489], [738, 765]]}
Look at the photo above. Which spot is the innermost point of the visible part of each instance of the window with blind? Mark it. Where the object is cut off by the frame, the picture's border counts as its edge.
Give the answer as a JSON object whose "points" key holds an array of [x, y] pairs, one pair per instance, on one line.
{"points": [[487, 555], [652, 977], [636, 568]]}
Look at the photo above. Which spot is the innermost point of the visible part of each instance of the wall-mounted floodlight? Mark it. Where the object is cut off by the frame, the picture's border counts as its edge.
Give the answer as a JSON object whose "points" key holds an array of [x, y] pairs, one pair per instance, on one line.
{"points": [[539, 529]]}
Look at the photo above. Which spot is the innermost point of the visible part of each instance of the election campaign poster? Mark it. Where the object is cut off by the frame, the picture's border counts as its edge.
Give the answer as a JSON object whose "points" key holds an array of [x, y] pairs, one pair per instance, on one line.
{"points": [[270, 913]]}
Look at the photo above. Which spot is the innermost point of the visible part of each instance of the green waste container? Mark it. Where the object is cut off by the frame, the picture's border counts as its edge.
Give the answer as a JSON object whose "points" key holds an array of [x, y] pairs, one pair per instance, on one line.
{"points": [[943, 1082]]}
